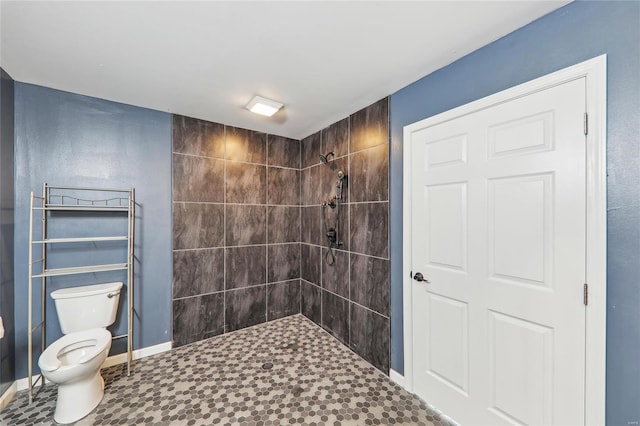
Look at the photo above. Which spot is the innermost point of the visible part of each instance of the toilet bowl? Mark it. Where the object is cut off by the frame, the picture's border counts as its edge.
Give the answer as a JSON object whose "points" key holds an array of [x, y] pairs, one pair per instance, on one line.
{"points": [[73, 363]]}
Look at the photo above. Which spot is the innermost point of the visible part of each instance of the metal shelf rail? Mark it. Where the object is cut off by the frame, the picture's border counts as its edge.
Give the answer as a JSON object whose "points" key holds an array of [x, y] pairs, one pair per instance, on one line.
{"points": [[67, 198]]}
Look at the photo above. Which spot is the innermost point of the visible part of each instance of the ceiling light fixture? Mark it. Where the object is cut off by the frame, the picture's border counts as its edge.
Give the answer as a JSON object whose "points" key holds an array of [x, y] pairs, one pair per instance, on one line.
{"points": [[263, 106]]}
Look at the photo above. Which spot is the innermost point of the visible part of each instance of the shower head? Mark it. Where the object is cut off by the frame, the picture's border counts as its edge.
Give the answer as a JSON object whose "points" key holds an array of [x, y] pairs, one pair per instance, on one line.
{"points": [[325, 158]]}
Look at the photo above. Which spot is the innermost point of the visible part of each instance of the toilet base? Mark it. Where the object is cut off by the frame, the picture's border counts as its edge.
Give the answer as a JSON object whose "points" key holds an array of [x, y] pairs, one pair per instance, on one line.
{"points": [[77, 399]]}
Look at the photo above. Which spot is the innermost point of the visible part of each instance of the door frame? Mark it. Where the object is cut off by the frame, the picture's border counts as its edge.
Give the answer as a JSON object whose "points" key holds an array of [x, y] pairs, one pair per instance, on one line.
{"points": [[595, 73]]}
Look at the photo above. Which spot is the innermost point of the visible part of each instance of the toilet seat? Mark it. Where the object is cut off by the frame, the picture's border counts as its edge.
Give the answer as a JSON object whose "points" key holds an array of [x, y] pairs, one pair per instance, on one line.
{"points": [[93, 341]]}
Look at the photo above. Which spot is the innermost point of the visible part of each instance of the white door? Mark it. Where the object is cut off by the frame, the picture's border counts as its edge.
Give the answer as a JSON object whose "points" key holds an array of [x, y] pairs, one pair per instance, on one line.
{"points": [[498, 230]]}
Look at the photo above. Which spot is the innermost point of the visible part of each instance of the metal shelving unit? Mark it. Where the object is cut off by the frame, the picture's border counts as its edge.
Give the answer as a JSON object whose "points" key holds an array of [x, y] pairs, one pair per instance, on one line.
{"points": [[73, 199]]}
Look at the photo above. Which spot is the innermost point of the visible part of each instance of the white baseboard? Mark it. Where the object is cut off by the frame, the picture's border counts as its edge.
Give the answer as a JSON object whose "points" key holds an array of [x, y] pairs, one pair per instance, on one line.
{"points": [[397, 377], [22, 384], [8, 395], [137, 354]]}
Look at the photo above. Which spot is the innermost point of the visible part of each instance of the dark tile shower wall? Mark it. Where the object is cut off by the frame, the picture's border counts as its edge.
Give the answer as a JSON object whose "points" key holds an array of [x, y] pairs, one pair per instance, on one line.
{"points": [[236, 228], [350, 298], [248, 234]]}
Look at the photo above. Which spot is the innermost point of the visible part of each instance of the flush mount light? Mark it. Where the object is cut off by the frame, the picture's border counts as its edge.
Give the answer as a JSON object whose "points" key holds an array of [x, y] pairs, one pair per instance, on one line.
{"points": [[263, 106]]}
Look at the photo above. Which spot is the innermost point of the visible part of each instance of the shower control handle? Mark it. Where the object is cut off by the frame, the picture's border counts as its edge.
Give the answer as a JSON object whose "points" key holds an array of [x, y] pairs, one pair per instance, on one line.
{"points": [[420, 278]]}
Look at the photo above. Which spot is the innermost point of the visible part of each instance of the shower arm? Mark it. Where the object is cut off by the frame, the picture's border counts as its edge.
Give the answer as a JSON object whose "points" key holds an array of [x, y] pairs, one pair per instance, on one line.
{"points": [[325, 158]]}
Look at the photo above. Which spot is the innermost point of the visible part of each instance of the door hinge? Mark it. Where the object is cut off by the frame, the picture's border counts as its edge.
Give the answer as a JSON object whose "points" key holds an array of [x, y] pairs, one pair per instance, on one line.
{"points": [[586, 294], [586, 124]]}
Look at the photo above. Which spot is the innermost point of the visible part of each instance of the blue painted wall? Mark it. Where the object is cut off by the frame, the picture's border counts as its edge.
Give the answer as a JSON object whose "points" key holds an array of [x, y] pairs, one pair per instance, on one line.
{"points": [[574, 33], [7, 344], [67, 139]]}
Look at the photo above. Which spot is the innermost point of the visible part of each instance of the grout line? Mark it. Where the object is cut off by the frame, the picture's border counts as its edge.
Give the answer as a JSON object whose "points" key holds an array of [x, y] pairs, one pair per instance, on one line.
{"points": [[199, 202], [300, 295], [348, 251], [248, 287], [198, 249], [287, 281], [349, 226], [233, 161], [239, 288], [238, 246], [279, 205], [172, 230], [389, 349], [262, 205], [345, 299], [368, 202], [313, 165], [198, 295], [262, 164], [300, 227], [224, 235], [321, 288], [349, 149], [322, 219], [283, 167], [186, 154], [236, 204], [350, 202], [266, 234], [386, 142]]}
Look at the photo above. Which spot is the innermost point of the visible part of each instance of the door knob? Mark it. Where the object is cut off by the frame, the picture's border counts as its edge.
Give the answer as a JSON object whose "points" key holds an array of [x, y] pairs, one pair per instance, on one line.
{"points": [[419, 277]]}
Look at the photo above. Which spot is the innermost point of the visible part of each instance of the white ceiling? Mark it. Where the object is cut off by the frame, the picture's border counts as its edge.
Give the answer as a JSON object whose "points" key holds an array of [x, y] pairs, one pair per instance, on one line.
{"points": [[323, 60]]}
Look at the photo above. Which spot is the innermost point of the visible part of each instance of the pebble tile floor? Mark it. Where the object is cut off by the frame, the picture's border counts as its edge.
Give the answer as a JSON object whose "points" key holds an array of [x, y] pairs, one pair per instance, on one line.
{"points": [[314, 380]]}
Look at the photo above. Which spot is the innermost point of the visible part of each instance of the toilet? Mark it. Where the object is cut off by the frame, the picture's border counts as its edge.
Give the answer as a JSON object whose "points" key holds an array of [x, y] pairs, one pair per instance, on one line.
{"points": [[73, 361]]}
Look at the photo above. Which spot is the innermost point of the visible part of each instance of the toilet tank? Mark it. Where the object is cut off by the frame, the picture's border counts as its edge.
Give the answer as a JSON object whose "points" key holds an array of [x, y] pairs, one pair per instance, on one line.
{"points": [[85, 307]]}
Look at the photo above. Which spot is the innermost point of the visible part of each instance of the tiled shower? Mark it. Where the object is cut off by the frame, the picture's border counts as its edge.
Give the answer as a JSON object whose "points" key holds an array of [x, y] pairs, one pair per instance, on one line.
{"points": [[350, 298], [249, 240], [236, 228]]}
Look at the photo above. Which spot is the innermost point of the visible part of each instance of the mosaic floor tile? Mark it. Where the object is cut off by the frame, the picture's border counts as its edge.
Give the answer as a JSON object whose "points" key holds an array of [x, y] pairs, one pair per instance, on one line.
{"points": [[283, 372]]}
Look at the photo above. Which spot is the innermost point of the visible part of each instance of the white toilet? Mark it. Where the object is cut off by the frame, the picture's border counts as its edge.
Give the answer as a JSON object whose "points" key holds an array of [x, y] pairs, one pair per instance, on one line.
{"points": [[74, 360]]}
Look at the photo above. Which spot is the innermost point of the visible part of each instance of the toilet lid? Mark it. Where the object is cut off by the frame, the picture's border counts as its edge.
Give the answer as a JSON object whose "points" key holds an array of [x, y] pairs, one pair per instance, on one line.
{"points": [[49, 361]]}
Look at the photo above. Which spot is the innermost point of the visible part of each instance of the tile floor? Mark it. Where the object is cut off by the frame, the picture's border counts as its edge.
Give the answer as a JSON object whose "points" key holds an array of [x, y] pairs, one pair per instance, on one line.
{"points": [[314, 380]]}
